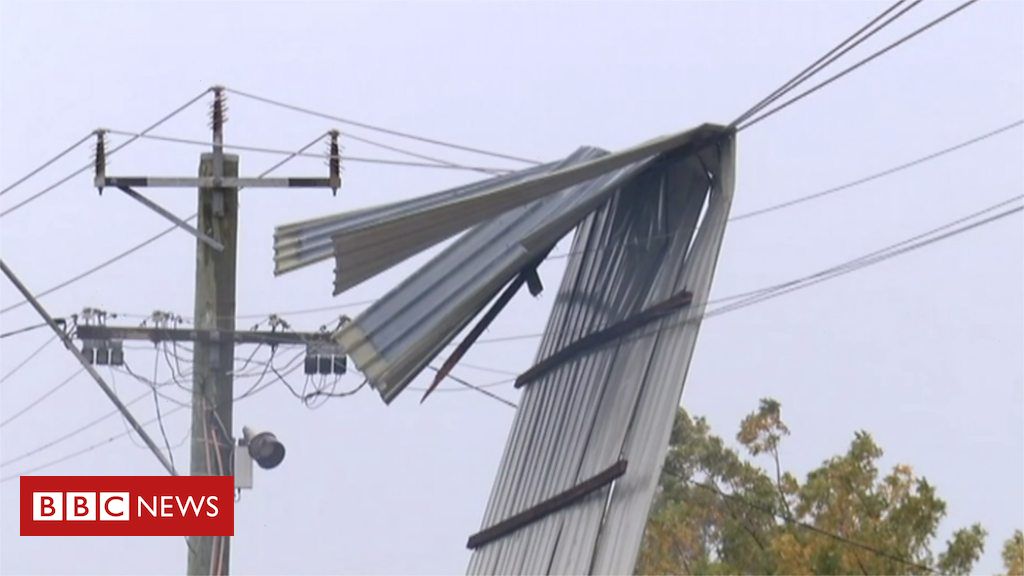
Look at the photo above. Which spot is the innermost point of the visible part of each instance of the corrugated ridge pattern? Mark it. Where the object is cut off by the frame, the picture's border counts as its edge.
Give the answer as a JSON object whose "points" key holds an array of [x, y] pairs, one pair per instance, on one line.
{"points": [[394, 339], [620, 400]]}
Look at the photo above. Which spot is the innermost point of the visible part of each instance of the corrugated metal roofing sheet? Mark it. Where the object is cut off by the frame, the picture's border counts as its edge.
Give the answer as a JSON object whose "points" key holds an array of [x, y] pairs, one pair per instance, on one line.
{"points": [[659, 235], [303, 243], [650, 224], [366, 242], [393, 340]]}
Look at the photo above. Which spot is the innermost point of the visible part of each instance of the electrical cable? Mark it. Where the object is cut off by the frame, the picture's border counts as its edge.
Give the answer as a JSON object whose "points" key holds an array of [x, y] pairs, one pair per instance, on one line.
{"points": [[155, 386], [110, 152], [877, 175], [72, 433], [902, 247], [851, 68], [142, 244], [931, 236], [469, 386], [23, 330], [861, 262], [85, 450], [849, 43], [380, 129], [124, 423], [92, 447], [100, 266], [46, 164], [345, 158], [159, 416], [36, 402], [35, 353]]}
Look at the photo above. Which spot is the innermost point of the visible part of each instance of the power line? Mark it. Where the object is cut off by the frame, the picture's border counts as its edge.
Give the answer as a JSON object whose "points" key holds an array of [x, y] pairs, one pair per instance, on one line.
{"points": [[142, 244], [816, 195], [29, 358], [159, 415], [751, 297], [877, 175], [822, 62], [357, 138], [46, 164], [876, 257], [36, 402], [88, 425], [307, 310], [100, 266], [742, 216], [891, 251], [73, 433], [464, 389], [84, 450], [350, 122], [86, 364], [23, 330], [110, 152], [771, 290], [476, 388], [345, 158], [850, 69], [289, 368]]}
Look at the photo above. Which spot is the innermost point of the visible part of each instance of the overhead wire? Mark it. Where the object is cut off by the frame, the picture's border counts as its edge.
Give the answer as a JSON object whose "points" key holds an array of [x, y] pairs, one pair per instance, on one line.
{"points": [[344, 157], [120, 256], [363, 139], [771, 289], [40, 399], [23, 330], [877, 175], [28, 359], [776, 109], [876, 257], [47, 164], [849, 43], [945, 231], [932, 236], [380, 129], [154, 385], [159, 415], [82, 451], [742, 216], [479, 389], [884, 173], [73, 433], [109, 153], [124, 423], [86, 426]]}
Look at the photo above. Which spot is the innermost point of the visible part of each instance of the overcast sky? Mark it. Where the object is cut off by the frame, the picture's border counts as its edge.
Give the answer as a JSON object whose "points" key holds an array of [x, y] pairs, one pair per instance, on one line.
{"points": [[924, 351]]}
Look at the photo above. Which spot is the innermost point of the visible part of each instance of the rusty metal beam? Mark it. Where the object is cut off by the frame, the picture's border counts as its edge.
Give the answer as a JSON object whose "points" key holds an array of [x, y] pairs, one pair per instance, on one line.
{"points": [[604, 336], [549, 506]]}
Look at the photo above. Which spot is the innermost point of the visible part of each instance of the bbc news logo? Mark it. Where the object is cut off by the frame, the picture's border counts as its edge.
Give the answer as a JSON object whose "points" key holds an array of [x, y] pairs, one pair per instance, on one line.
{"points": [[127, 506]]}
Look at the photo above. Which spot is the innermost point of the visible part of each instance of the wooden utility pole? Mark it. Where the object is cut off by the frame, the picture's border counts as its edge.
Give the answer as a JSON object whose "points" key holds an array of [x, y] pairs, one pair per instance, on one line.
{"points": [[212, 382], [216, 233]]}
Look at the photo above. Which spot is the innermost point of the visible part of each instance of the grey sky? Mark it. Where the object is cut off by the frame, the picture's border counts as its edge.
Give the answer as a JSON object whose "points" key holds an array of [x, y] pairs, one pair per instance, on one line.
{"points": [[924, 351]]}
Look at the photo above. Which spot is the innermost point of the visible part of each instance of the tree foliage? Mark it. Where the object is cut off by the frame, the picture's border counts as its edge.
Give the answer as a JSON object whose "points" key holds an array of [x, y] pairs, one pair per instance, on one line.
{"points": [[717, 513], [1013, 555]]}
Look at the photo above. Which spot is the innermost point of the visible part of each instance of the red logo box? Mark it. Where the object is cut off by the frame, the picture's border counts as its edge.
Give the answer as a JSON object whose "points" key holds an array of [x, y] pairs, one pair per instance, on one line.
{"points": [[127, 506]]}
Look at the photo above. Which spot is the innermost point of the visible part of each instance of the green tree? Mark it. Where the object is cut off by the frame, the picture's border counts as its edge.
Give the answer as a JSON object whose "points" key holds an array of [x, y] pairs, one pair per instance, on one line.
{"points": [[1013, 555], [717, 513]]}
